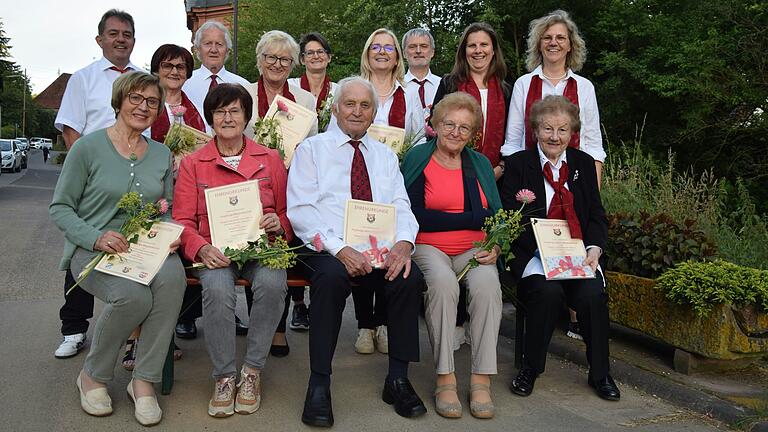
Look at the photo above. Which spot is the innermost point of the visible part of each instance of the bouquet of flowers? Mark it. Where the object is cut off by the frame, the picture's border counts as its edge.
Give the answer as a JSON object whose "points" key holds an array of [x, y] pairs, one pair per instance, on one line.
{"points": [[324, 114], [267, 129], [276, 254], [412, 138], [141, 216], [501, 230], [178, 139]]}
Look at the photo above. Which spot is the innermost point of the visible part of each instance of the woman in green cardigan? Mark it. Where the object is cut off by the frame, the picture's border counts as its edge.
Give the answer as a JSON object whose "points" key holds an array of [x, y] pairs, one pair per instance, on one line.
{"points": [[452, 190], [101, 167]]}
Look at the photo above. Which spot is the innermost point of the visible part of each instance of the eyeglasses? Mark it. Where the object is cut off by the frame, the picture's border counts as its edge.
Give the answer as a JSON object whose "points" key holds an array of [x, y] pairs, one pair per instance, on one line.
{"points": [[560, 39], [137, 99], [168, 66], [389, 48], [319, 53], [270, 59], [449, 127], [222, 113]]}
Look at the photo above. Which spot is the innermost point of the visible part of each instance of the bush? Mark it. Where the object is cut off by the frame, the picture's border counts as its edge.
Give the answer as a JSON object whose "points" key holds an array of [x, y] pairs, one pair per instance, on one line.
{"points": [[59, 159], [702, 285], [644, 245]]}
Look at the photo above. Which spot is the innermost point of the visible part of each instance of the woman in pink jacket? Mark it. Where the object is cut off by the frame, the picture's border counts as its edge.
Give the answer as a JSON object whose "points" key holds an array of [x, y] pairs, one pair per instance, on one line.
{"points": [[230, 157]]}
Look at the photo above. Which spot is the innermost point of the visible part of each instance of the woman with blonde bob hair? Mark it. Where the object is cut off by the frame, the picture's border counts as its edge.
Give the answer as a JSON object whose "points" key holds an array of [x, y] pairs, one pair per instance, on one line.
{"points": [[452, 190], [555, 52]]}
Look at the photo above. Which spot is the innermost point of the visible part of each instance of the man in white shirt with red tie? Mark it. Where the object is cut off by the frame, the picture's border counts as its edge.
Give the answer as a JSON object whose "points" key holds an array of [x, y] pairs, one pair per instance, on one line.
{"points": [[419, 47], [86, 105], [85, 108], [212, 45]]}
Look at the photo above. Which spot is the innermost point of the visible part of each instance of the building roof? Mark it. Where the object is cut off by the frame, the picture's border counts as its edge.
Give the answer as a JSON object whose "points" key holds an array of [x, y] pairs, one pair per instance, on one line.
{"points": [[51, 96], [205, 3]]}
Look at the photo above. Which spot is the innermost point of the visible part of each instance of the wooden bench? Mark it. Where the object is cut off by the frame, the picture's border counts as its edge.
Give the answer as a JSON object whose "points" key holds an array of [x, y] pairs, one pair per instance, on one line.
{"points": [[295, 279]]}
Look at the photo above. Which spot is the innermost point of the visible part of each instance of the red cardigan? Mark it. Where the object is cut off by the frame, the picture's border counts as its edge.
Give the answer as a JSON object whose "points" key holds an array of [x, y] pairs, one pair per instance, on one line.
{"points": [[205, 168]]}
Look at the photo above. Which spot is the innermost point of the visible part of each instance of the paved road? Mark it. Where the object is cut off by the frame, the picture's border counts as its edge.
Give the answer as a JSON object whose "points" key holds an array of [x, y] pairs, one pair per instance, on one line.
{"points": [[38, 391]]}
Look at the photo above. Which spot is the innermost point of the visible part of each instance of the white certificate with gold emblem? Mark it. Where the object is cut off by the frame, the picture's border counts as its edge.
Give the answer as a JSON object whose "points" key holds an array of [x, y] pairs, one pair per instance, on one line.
{"points": [[370, 228], [389, 135], [294, 124], [234, 212], [561, 256], [145, 257]]}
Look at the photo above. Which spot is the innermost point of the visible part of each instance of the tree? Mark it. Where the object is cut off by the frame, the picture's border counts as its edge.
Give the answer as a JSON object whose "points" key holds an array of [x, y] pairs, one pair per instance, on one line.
{"points": [[15, 88]]}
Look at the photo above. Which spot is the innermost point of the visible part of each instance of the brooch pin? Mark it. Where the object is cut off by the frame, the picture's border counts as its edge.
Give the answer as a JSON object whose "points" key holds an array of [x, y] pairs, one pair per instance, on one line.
{"points": [[575, 175]]}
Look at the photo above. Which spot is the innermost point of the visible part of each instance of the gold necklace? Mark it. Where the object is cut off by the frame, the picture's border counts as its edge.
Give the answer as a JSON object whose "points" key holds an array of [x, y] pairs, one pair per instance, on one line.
{"points": [[132, 156]]}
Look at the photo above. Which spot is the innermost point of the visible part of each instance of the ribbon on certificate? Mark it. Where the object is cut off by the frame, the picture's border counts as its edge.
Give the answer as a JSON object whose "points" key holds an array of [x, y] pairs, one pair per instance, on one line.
{"points": [[374, 254], [566, 264]]}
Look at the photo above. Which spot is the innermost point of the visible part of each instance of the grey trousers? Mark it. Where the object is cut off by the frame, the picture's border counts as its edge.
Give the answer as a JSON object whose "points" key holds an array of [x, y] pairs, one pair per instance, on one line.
{"points": [[442, 297], [269, 288], [128, 304]]}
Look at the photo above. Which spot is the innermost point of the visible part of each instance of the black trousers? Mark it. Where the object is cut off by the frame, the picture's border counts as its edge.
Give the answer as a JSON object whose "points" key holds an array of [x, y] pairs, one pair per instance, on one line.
{"points": [[543, 301], [370, 312], [77, 308], [331, 285]]}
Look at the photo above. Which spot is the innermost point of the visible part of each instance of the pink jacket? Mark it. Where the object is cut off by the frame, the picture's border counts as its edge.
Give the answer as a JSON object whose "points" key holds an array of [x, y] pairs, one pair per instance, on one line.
{"points": [[205, 168]]}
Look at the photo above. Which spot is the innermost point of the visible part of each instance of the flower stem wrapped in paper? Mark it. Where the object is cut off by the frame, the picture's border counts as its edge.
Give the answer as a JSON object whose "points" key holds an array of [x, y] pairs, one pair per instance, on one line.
{"points": [[267, 129], [140, 216], [181, 139], [501, 230]]}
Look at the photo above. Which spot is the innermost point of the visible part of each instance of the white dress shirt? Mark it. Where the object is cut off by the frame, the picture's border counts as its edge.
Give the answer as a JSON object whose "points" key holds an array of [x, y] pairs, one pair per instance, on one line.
{"points": [[319, 187], [430, 86], [196, 87], [534, 266], [414, 114], [87, 102], [591, 140]]}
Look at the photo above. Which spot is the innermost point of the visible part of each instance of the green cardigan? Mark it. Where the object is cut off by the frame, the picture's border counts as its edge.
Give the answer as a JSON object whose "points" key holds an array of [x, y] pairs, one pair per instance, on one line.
{"points": [[94, 178], [418, 157]]}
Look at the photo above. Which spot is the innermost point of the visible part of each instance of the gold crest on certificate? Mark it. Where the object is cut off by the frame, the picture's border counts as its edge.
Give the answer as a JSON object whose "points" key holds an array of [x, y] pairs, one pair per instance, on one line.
{"points": [[389, 135], [561, 256], [370, 228], [234, 212], [145, 257], [295, 124]]}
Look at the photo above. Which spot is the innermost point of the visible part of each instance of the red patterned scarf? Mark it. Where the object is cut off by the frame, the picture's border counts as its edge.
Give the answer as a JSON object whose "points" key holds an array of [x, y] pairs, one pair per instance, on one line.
{"points": [[323, 91], [492, 137], [534, 95], [262, 95], [192, 118]]}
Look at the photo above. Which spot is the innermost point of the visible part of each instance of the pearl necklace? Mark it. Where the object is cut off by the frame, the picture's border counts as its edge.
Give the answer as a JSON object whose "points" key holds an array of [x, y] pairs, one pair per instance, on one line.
{"points": [[554, 79]]}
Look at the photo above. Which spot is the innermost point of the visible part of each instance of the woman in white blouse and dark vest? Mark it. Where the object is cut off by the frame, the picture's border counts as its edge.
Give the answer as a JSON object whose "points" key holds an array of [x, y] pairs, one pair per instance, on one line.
{"points": [[555, 52]]}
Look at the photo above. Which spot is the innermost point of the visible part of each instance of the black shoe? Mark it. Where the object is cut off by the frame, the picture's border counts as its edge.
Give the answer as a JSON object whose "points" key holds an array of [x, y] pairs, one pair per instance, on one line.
{"points": [[318, 410], [605, 388], [522, 385], [186, 329], [399, 392], [280, 350], [300, 317], [241, 329]]}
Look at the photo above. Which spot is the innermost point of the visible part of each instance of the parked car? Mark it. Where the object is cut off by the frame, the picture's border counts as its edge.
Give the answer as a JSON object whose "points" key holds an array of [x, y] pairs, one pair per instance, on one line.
{"points": [[23, 143], [11, 155], [24, 150]]}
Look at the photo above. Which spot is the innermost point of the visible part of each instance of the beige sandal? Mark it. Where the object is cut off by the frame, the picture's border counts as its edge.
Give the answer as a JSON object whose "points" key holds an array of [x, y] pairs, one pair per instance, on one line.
{"points": [[447, 409], [481, 410]]}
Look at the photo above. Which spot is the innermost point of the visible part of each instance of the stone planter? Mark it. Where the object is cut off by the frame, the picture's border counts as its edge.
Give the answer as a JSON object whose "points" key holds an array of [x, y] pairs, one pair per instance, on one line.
{"points": [[735, 335]]}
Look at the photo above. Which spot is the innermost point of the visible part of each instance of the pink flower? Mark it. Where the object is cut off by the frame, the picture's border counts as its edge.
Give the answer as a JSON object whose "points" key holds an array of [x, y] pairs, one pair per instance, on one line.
{"points": [[178, 111], [525, 196], [281, 106], [429, 131], [162, 206], [317, 243]]}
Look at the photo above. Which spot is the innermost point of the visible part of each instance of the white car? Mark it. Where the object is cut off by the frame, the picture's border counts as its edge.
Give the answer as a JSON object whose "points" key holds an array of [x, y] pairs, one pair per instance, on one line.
{"points": [[11, 155]]}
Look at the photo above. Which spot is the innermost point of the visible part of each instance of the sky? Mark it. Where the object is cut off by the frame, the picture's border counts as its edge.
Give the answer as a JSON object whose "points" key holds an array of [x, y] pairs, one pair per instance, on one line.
{"points": [[49, 37]]}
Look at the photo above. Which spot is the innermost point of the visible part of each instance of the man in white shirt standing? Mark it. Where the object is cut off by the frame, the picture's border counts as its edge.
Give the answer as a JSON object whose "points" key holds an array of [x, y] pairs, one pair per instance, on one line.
{"points": [[212, 45], [419, 46], [327, 170], [86, 107]]}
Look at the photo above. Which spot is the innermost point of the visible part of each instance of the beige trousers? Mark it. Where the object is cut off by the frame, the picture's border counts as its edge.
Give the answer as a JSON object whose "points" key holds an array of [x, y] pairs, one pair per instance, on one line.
{"points": [[442, 297]]}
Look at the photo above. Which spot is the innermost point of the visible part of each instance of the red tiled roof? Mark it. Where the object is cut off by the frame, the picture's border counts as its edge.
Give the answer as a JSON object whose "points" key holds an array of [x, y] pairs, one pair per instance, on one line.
{"points": [[51, 96]]}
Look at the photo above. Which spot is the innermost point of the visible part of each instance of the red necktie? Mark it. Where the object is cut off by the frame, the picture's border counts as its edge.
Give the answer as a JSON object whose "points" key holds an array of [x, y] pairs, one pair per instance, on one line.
{"points": [[359, 181], [213, 83], [122, 71], [421, 91], [561, 206]]}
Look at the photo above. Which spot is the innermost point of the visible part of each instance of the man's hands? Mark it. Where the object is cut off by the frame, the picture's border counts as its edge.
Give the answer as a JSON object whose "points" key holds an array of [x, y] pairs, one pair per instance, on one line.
{"points": [[355, 262], [212, 257], [398, 259]]}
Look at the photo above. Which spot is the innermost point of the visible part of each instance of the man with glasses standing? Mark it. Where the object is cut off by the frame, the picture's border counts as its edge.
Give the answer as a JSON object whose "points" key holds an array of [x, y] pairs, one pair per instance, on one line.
{"points": [[212, 45], [86, 107], [419, 46]]}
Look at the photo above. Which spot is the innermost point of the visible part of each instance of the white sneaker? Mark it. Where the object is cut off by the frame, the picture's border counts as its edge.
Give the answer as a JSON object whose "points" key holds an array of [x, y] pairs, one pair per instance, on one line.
{"points": [[458, 337], [382, 339], [248, 399], [222, 403], [70, 346], [364, 342]]}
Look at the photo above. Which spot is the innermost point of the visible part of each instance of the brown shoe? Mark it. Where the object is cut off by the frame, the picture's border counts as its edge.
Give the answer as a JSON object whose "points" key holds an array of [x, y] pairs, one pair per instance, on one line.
{"points": [[248, 398], [222, 402], [447, 409], [481, 410]]}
